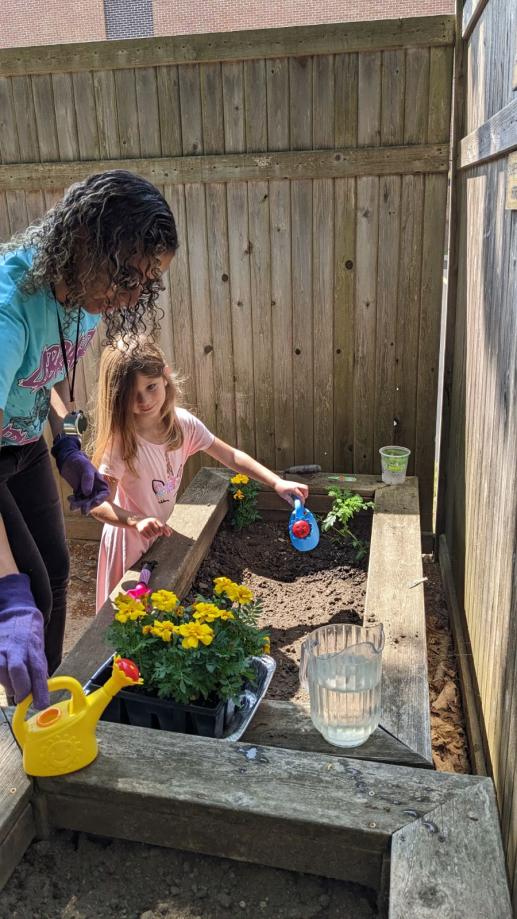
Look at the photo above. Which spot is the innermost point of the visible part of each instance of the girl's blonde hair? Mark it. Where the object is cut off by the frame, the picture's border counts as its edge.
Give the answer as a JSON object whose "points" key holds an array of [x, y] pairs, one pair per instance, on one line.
{"points": [[113, 416]]}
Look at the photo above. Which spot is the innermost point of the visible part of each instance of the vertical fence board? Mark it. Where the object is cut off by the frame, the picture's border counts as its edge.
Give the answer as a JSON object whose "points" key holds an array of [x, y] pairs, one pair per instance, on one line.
{"points": [[238, 250], [345, 267], [148, 114], [260, 264], [64, 108], [87, 133], [408, 312], [281, 279], [167, 81], [9, 147], [25, 119], [45, 117], [106, 109], [368, 134], [125, 94], [217, 235], [323, 275], [301, 110]]}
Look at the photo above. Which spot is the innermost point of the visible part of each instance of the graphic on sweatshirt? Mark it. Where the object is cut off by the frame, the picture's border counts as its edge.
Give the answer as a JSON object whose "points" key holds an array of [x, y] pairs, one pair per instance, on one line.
{"points": [[26, 428], [51, 362]]}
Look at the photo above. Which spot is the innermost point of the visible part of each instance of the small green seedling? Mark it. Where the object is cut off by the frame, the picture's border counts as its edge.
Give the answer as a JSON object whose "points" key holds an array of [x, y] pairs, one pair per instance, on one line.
{"points": [[345, 506]]}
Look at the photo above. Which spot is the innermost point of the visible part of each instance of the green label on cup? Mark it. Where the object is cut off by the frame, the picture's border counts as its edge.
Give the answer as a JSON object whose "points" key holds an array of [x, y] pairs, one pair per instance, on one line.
{"points": [[396, 465]]}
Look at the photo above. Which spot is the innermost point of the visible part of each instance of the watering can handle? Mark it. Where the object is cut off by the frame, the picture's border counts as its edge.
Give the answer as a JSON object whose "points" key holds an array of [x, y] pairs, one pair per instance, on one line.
{"points": [[78, 702]]}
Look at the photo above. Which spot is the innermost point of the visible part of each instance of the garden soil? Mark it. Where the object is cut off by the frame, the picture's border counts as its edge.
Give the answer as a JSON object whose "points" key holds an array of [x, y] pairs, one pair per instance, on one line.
{"points": [[75, 876]]}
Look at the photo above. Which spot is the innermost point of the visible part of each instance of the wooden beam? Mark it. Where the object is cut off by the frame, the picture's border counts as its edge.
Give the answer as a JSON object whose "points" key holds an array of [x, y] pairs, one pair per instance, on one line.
{"points": [[195, 521], [288, 725], [16, 820], [321, 164], [471, 13], [78, 527], [450, 862], [320, 482], [302, 811], [395, 597], [493, 139], [465, 663], [375, 35], [452, 247]]}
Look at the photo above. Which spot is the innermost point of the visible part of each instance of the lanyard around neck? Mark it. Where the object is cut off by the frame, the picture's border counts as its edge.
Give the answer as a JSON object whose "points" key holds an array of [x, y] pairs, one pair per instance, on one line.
{"points": [[71, 385]]}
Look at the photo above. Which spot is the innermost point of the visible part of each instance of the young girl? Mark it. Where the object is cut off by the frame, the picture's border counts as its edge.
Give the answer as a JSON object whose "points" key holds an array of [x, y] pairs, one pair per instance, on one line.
{"points": [[143, 442]]}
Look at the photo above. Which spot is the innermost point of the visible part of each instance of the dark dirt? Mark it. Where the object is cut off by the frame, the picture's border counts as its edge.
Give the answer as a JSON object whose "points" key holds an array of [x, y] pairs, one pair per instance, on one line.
{"points": [[299, 591], [77, 876]]}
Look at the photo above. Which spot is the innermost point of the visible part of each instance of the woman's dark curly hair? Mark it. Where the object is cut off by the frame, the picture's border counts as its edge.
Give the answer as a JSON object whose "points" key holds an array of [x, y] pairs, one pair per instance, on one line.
{"points": [[91, 236]]}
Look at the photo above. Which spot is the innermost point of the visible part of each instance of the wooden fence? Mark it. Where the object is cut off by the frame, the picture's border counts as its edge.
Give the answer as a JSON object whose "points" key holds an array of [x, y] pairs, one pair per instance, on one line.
{"points": [[478, 506], [307, 170]]}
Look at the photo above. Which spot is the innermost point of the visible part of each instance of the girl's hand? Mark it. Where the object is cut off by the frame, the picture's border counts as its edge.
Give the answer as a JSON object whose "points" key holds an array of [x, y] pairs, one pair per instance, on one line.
{"points": [[290, 490], [152, 527]]}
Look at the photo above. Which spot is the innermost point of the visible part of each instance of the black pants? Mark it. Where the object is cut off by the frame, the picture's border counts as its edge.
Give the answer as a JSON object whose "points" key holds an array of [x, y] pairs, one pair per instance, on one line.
{"points": [[31, 510]]}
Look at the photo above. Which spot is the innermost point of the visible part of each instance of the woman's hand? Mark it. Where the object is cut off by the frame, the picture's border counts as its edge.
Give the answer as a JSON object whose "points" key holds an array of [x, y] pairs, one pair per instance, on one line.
{"points": [[291, 490], [151, 527]]}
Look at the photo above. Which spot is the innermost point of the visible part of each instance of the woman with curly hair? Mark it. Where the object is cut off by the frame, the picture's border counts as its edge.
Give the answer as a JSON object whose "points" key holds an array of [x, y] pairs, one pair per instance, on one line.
{"points": [[100, 252]]}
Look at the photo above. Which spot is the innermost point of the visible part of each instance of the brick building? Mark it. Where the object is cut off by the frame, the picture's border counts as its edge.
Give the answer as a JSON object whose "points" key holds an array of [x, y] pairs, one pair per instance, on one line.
{"points": [[42, 22]]}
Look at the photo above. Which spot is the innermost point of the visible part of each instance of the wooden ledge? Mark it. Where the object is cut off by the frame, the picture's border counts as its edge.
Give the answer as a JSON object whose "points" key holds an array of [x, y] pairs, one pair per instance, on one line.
{"points": [[16, 820], [395, 597], [426, 841]]}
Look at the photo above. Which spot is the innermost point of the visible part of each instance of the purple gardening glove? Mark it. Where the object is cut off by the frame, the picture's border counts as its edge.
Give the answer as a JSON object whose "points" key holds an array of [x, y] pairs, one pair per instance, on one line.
{"points": [[23, 665], [90, 489]]}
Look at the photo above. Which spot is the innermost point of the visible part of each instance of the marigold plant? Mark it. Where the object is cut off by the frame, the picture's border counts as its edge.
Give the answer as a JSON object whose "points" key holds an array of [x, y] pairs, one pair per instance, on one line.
{"points": [[244, 493], [194, 653]]}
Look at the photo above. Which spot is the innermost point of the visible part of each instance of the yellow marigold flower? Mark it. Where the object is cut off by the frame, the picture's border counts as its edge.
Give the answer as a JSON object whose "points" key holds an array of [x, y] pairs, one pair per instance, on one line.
{"points": [[121, 616], [129, 605], [221, 584], [238, 593], [161, 624], [206, 612], [239, 495], [195, 632], [164, 600], [226, 614], [147, 629], [266, 647], [239, 479]]}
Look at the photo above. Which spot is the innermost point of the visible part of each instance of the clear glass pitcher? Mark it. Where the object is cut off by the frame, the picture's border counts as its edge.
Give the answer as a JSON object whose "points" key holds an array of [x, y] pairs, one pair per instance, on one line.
{"points": [[341, 668]]}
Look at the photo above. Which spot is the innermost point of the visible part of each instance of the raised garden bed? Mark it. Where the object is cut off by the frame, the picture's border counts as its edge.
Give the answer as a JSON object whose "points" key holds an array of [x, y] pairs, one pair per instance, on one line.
{"points": [[299, 592], [427, 842]]}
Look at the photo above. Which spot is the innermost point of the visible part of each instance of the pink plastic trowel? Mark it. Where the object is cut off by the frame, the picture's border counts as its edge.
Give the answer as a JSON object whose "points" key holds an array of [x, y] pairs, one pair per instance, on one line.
{"points": [[142, 588]]}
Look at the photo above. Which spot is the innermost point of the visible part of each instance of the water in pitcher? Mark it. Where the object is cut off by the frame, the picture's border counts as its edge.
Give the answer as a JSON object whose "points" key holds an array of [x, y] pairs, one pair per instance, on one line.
{"points": [[341, 667], [346, 706]]}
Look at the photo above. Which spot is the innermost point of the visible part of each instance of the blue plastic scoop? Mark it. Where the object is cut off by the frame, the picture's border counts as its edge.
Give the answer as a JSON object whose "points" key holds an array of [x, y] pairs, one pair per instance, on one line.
{"points": [[303, 530]]}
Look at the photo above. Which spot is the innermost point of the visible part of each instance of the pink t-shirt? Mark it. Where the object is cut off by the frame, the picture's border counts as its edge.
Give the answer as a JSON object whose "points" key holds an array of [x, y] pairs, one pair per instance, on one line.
{"points": [[148, 492]]}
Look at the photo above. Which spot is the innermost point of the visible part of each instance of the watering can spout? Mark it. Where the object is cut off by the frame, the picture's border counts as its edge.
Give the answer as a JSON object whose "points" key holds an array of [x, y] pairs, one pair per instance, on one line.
{"points": [[61, 738]]}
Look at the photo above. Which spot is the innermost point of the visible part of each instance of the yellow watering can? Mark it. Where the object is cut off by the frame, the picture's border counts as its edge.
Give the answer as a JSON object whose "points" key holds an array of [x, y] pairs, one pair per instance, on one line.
{"points": [[61, 738]]}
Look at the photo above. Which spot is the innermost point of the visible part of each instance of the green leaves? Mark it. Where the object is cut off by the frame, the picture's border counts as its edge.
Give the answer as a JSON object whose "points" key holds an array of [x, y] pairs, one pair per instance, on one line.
{"points": [[188, 674], [345, 506], [244, 501]]}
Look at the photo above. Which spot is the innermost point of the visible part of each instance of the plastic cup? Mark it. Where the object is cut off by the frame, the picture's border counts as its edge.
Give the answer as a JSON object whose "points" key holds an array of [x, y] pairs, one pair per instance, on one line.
{"points": [[394, 462]]}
